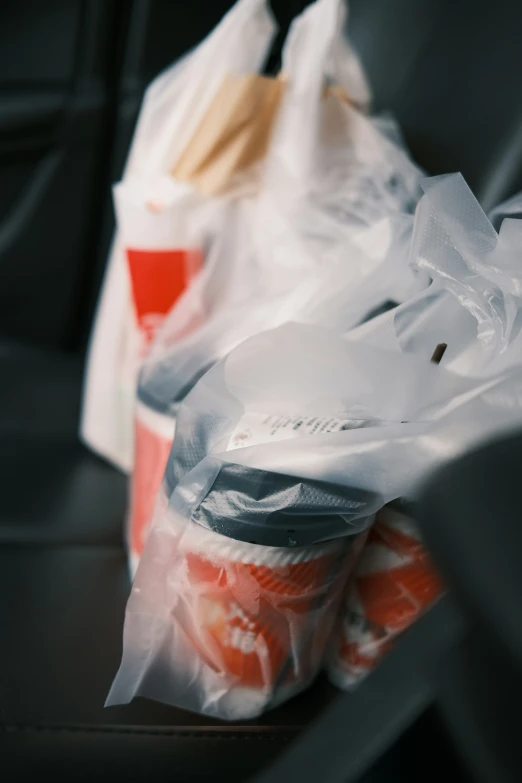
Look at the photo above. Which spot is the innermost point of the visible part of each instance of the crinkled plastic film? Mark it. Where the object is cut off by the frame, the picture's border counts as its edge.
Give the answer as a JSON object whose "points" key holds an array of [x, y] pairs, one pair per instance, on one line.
{"points": [[474, 302]]}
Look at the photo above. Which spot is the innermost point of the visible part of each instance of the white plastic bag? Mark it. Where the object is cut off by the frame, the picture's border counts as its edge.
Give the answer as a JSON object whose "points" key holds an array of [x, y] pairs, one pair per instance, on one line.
{"points": [[290, 254], [173, 105], [242, 291], [296, 438], [331, 175], [474, 302], [254, 268]]}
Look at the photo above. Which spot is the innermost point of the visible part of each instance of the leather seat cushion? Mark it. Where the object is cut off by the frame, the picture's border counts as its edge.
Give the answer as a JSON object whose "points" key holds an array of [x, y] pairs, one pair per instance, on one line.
{"points": [[53, 491], [40, 390], [62, 612]]}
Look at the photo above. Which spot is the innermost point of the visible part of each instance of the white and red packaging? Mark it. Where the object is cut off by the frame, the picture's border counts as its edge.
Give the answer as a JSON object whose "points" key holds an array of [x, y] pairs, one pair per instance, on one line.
{"points": [[249, 623], [393, 584], [153, 437], [244, 480]]}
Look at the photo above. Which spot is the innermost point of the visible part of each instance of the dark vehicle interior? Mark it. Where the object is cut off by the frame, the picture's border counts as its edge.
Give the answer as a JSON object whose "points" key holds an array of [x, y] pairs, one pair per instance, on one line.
{"points": [[72, 75]]}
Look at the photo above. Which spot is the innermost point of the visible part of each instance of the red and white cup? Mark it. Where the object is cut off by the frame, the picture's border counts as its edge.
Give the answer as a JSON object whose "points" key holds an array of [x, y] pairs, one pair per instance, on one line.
{"points": [[153, 438], [257, 618], [393, 583]]}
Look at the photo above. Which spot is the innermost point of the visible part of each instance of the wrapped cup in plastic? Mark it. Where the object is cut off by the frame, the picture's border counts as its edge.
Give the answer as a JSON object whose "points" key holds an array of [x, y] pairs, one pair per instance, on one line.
{"points": [[249, 478], [393, 583], [247, 624]]}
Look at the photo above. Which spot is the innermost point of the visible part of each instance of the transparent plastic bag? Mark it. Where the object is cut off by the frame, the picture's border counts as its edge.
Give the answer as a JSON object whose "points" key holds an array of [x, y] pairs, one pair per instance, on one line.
{"points": [[474, 302], [172, 107], [295, 440]]}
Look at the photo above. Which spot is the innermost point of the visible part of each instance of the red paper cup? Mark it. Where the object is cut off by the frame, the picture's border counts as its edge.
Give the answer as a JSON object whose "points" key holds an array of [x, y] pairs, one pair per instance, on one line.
{"points": [[393, 583], [258, 617], [154, 434]]}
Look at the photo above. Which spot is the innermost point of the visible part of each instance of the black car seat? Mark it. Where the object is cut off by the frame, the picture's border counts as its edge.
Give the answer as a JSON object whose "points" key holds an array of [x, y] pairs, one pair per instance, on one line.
{"points": [[450, 72]]}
